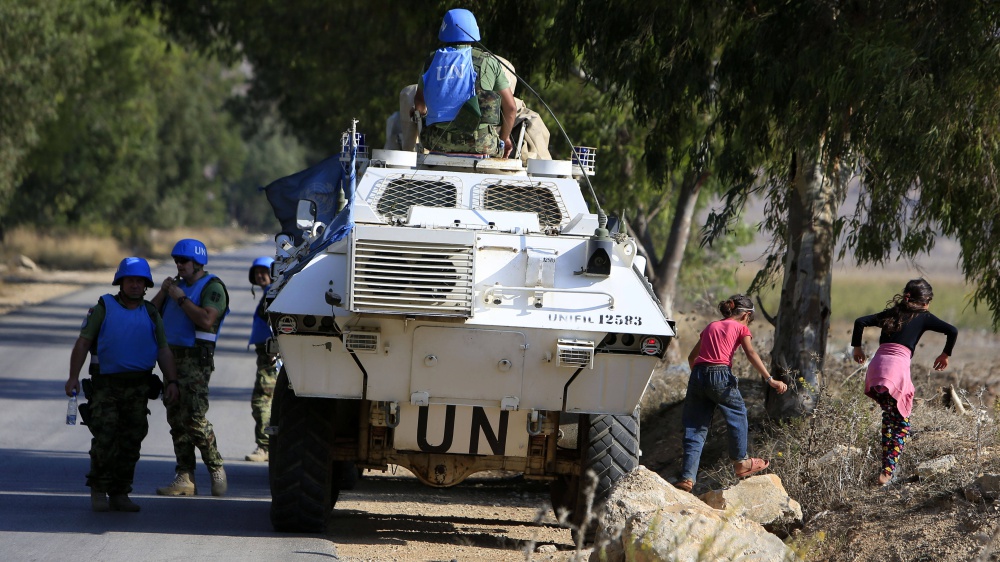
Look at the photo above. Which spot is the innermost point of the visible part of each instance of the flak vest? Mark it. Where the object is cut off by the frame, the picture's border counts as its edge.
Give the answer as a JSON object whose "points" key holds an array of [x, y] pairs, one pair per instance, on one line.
{"points": [[260, 330], [452, 103], [181, 331], [127, 341]]}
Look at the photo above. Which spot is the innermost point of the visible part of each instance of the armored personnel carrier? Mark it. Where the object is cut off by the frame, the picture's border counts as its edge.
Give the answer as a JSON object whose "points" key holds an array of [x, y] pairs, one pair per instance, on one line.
{"points": [[457, 315]]}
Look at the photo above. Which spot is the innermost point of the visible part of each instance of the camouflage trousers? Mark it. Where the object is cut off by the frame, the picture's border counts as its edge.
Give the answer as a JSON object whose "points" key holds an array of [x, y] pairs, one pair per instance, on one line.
{"points": [[119, 423], [189, 426], [440, 138], [263, 391]]}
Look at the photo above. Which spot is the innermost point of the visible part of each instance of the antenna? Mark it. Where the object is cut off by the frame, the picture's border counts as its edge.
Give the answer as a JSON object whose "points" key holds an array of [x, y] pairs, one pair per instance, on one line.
{"points": [[602, 219]]}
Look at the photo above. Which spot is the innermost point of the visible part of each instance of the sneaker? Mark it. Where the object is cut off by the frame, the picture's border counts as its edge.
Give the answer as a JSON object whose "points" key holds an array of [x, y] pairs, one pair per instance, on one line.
{"points": [[121, 502], [219, 485], [99, 501], [183, 485], [258, 455]]}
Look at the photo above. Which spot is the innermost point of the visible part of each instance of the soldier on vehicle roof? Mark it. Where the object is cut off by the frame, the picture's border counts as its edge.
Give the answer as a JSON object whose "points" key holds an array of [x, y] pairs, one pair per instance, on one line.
{"points": [[129, 339], [464, 95], [194, 304]]}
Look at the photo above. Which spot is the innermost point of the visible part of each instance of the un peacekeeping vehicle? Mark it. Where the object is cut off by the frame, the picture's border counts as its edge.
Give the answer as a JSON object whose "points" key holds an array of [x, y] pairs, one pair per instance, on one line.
{"points": [[458, 315]]}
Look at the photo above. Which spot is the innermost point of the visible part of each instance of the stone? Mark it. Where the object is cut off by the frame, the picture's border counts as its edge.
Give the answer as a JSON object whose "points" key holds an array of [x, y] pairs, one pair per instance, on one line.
{"points": [[25, 263], [761, 498], [927, 470], [989, 484], [645, 518]]}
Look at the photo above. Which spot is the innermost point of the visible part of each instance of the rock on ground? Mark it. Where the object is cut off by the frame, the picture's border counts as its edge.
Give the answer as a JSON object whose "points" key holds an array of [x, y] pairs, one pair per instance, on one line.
{"points": [[646, 518]]}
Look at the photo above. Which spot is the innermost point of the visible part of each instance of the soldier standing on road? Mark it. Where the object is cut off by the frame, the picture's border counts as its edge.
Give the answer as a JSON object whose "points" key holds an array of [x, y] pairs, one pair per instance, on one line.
{"points": [[130, 340], [267, 363], [194, 304]]}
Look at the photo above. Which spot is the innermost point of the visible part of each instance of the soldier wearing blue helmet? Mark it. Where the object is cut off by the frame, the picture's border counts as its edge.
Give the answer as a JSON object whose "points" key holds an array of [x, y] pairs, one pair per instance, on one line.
{"points": [[127, 335], [267, 363], [194, 305], [465, 97]]}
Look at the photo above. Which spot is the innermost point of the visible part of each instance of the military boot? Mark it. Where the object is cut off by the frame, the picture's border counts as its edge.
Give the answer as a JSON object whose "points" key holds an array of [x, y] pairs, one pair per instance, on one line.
{"points": [[183, 485], [219, 484], [120, 502], [258, 455], [99, 501]]}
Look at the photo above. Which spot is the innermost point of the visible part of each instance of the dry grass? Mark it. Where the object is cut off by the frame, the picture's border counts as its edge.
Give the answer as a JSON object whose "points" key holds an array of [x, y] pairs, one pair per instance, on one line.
{"points": [[855, 293], [829, 461], [75, 251], [56, 251], [846, 516]]}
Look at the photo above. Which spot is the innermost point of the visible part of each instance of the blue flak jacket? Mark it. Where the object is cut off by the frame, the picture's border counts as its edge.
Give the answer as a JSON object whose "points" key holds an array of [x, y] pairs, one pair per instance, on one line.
{"points": [[448, 84], [127, 341], [181, 331], [260, 330]]}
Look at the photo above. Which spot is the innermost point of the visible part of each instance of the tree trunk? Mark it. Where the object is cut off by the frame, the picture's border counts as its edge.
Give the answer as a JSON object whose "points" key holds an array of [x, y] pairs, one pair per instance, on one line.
{"points": [[804, 311], [665, 285]]}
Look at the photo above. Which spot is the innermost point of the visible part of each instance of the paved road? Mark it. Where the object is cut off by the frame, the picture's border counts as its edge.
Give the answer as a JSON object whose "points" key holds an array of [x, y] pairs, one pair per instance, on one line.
{"points": [[44, 503]]}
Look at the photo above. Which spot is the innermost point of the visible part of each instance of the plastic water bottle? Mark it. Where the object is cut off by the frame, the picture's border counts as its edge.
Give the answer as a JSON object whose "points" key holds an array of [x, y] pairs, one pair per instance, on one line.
{"points": [[71, 410]]}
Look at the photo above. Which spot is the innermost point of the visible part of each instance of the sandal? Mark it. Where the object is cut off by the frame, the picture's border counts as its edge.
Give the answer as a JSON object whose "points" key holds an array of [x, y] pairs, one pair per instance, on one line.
{"points": [[756, 465], [685, 485]]}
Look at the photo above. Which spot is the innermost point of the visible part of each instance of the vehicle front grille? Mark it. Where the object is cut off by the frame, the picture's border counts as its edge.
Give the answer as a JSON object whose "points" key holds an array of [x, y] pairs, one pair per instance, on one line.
{"points": [[432, 277]]}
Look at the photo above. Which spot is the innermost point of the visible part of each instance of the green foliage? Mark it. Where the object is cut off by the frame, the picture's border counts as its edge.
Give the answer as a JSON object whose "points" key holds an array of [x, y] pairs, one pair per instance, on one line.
{"points": [[43, 47], [907, 98], [139, 139], [318, 63], [271, 155]]}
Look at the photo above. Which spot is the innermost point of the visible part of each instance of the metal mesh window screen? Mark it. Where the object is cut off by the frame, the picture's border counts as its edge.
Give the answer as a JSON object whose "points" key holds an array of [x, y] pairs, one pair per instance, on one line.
{"points": [[531, 197], [394, 195]]}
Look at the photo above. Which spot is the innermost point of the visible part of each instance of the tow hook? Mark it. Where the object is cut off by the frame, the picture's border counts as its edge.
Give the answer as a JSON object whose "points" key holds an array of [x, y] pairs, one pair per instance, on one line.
{"points": [[535, 422], [392, 417]]}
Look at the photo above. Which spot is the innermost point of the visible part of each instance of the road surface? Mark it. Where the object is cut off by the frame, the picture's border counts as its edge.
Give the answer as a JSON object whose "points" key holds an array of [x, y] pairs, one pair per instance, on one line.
{"points": [[45, 505]]}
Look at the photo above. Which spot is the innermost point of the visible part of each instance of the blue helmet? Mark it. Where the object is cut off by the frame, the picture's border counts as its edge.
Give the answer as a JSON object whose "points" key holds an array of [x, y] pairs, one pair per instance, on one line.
{"points": [[133, 267], [262, 261], [459, 26], [191, 249]]}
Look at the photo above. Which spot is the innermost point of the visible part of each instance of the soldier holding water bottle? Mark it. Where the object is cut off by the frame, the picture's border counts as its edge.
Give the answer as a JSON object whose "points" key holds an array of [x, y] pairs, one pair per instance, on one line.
{"points": [[128, 336]]}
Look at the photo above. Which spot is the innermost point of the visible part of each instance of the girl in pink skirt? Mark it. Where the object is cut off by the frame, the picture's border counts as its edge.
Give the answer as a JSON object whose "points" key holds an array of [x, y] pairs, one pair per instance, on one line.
{"points": [[888, 382]]}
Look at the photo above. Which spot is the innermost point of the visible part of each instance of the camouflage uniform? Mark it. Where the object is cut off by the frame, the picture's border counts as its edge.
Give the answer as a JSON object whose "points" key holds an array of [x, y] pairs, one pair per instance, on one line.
{"points": [[263, 392], [476, 129], [189, 426], [116, 411], [118, 421]]}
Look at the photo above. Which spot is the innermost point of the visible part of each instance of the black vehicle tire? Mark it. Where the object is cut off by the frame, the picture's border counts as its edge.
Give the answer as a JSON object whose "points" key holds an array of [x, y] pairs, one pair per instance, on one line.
{"points": [[303, 490], [348, 474], [611, 451], [280, 388]]}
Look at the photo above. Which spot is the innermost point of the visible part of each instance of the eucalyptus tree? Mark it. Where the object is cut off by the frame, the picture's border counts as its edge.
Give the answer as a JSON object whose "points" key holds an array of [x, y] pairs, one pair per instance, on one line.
{"points": [[903, 96], [654, 165]]}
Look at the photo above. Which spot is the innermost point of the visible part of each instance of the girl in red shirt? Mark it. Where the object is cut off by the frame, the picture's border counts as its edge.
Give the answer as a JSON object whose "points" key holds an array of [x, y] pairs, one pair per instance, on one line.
{"points": [[712, 385]]}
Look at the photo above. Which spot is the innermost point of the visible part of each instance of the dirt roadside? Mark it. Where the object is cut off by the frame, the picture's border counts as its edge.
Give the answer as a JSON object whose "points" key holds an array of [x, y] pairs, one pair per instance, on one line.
{"points": [[25, 287]]}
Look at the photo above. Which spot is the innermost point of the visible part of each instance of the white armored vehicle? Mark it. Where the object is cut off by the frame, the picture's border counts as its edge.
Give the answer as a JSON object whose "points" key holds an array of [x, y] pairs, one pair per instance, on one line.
{"points": [[459, 315]]}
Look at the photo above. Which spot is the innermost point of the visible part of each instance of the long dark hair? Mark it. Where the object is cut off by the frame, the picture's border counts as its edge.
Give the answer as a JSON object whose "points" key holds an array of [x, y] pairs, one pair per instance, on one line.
{"points": [[736, 304], [905, 306]]}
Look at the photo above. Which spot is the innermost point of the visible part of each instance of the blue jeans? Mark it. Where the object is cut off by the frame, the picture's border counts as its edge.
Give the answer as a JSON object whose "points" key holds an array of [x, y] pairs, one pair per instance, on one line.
{"points": [[712, 386]]}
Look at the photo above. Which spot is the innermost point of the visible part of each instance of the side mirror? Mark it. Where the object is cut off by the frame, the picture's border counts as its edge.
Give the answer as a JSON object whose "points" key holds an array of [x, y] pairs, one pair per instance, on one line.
{"points": [[305, 214]]}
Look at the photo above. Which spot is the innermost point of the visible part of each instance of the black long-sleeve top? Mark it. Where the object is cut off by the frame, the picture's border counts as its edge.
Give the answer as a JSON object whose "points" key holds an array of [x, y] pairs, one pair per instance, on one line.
{"points": [[911, 332]]}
